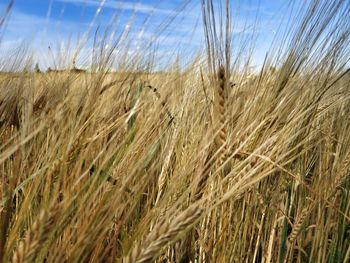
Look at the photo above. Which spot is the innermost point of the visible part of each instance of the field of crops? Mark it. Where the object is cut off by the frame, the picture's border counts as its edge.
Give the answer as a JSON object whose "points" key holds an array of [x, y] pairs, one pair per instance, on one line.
{"points": [[208, 162]]}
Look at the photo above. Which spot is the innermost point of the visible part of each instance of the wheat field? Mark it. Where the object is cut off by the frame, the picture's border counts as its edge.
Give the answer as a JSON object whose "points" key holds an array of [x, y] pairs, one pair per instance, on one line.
{"points": [[208, 162]]}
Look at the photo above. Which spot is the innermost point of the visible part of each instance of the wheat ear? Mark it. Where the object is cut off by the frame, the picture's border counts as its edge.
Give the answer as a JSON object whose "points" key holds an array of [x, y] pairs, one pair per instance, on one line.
{"points": [[220, 105], [163, 234], [38, 234]]}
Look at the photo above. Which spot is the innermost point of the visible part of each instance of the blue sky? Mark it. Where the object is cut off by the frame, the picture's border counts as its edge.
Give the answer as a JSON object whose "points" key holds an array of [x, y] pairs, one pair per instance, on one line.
{"points": [[61, 24]]}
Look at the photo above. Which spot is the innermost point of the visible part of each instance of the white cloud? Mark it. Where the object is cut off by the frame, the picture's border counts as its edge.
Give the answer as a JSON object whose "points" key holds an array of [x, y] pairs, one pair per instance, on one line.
{"points": [[122, 5], [35, 34]]}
